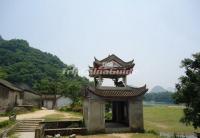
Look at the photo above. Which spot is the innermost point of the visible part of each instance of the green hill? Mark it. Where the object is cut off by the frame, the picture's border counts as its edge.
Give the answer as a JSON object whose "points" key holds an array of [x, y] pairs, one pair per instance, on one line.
{"points": [[22, 64]]}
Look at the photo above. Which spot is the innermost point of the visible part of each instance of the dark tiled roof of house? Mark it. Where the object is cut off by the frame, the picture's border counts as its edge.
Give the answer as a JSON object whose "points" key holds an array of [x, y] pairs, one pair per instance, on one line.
{"points": [[9, 85], [31, 91], [118, 91]]}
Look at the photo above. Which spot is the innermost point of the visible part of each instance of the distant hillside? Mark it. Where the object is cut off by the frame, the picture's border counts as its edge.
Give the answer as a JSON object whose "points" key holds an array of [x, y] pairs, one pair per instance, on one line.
{"points": [[159, 94], [22, 64], [170, 89], [162, 97], [158, 89]]}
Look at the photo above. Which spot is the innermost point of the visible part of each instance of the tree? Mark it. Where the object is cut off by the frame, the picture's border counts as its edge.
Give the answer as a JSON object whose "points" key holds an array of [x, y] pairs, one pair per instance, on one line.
{"points": [[188, 91], [3, 74]]}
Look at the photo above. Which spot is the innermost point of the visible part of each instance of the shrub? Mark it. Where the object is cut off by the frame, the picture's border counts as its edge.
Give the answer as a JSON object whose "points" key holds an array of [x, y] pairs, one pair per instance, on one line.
{"points": [[108, 116], [152, 132], [77, 108], [6, 123], [72, 108], [65, 109]]}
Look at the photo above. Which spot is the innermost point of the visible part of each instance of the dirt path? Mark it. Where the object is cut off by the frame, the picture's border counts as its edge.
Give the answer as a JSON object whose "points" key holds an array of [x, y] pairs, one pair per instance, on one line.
{"points": [[40, 114], [3, 119], [24, 135]]}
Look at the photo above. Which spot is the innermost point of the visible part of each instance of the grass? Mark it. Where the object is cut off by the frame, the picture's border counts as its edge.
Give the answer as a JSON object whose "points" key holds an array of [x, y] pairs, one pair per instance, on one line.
{"points": [[6, 124], [54, 117], [62, 116], [165, 119], [75, 114]]}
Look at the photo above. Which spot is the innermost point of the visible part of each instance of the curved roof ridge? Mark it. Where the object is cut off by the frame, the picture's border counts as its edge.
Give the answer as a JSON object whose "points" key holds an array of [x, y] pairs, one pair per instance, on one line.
{"points": [[125, 92], [113, 57]]}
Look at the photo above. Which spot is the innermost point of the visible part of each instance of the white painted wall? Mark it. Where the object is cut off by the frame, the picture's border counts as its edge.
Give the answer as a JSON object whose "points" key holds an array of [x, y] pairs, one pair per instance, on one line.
{"points": [[63, 101]]}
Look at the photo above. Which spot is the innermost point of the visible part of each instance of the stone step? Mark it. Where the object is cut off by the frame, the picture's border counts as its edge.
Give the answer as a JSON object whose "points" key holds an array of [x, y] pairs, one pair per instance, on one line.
{"points": [[25, 130], [29, 120], [21, 123], [116, 130], [28, 125]]}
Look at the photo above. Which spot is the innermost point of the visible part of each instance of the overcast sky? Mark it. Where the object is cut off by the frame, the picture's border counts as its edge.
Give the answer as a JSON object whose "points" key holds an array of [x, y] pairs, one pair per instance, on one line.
{"points": [[157, 34]]}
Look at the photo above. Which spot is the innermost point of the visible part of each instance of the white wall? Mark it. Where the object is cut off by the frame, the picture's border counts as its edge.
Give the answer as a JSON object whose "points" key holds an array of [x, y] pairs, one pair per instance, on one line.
{"points": [[63, 101]]}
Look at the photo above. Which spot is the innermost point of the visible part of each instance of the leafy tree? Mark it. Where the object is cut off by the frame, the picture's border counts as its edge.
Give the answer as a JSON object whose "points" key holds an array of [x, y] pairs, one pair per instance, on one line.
{"points": [[3, 74], [188, 90]]}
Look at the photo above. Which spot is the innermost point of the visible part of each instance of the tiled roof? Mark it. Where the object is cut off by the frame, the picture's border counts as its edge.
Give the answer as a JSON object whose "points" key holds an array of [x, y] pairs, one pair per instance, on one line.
{"points": [[118, 91], [9, 85], [31, 91], [115, 58]]}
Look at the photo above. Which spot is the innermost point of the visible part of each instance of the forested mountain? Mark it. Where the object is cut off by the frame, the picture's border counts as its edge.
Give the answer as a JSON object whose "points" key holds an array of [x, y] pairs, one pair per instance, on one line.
{"points": [[22, 64], [163, 97], [158, 89], [159, 94]]}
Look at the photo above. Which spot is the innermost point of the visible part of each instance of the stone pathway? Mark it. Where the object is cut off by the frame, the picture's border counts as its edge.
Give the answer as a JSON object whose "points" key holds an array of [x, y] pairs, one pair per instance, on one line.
{"points": [[39, 114]]}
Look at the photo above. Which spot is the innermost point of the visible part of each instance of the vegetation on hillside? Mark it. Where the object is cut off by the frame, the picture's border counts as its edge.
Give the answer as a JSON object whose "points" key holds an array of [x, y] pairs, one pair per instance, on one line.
{"points": [[188, 90], [162, 97], [24, 64], [41, 71]]}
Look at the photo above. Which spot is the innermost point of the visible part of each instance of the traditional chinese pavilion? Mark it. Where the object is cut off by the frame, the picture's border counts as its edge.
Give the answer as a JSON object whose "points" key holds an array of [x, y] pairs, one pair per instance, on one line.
{"points": [[126, 101]]}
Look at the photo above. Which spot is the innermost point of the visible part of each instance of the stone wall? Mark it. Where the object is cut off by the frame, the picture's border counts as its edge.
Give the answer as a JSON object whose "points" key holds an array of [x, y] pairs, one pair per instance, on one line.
{"points": [[136, 114], [94, 112], [8, 98], [4, 101], [14, 98], [85, 111]]}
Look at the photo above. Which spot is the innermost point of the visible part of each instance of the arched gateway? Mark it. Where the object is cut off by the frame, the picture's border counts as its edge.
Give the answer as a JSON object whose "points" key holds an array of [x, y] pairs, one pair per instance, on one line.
{"points": [[125, 101]]}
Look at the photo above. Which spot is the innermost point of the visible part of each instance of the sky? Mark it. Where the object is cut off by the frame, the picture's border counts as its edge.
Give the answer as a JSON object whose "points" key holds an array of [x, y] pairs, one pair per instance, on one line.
{"points": [[157, 34]]}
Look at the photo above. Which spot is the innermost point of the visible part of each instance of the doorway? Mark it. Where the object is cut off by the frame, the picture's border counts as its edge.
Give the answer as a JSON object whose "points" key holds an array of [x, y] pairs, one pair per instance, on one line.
{"points": [[116, 114]]}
